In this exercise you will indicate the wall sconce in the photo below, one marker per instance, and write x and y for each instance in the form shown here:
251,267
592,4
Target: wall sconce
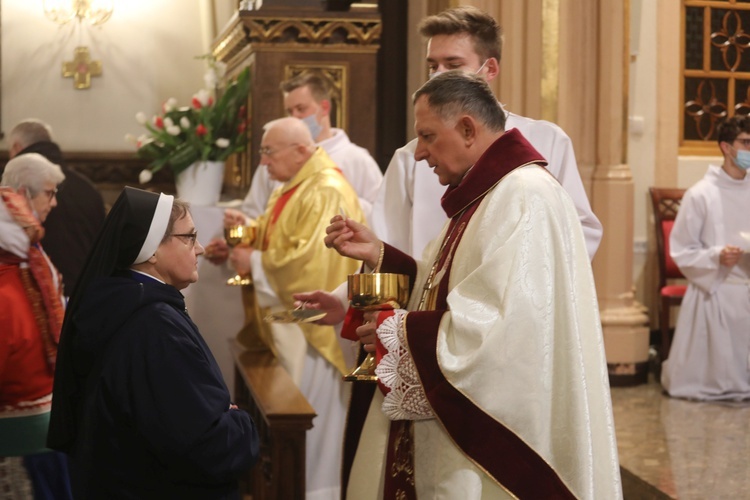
96,12
63,11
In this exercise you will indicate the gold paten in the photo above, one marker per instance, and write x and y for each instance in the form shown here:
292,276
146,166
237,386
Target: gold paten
375,292
298,315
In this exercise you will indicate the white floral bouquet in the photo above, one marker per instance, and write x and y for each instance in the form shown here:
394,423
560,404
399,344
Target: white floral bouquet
207,130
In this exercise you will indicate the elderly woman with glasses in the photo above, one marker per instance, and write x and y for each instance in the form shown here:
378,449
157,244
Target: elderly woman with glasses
140,404
31,313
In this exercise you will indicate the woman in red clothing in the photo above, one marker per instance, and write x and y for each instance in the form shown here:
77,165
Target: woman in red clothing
31,312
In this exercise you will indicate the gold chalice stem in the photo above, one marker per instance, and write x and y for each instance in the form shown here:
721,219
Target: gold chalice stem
235,235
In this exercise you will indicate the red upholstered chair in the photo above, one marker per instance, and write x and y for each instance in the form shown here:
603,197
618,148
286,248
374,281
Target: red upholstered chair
666,203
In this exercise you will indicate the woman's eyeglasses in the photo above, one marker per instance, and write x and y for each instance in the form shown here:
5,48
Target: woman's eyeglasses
189,238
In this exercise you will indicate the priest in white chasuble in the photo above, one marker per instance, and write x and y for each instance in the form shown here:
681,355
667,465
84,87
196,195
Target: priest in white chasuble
289,256
493,382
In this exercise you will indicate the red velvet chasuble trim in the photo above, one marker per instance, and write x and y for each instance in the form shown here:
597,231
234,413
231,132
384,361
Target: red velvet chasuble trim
492,446
510,151
362,393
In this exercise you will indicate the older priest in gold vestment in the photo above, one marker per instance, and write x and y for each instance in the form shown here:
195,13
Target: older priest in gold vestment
289,256
494,381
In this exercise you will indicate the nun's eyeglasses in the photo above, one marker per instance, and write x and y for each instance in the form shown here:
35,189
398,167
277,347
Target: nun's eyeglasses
189,238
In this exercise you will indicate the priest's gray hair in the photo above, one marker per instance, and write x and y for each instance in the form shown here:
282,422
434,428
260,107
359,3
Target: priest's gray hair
30,131
455,92
32,171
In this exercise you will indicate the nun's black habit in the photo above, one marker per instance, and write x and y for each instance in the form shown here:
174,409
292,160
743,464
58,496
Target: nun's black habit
139,401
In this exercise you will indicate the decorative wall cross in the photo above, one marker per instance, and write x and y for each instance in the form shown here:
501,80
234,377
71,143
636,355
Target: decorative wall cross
81,68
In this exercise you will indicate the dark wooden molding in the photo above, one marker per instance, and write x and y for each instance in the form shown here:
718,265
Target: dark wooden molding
391,81
276,42
111,171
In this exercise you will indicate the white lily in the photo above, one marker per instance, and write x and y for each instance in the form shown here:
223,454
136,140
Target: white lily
141,118
168,122
169,104
203,96
210,79
143,139
220,68
173,130
184,122
145,176
222,142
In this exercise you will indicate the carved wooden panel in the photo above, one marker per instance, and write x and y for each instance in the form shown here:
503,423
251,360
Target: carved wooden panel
278,43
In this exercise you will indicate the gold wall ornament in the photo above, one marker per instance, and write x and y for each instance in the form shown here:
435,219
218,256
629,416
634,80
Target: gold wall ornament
81,68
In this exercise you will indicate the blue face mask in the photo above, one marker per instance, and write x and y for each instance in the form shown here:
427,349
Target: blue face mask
436,73
742,160
313,126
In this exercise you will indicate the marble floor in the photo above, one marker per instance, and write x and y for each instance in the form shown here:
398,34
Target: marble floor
671,448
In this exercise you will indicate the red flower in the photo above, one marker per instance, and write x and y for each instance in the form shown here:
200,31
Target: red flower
200,130
242,127
159,122
196,103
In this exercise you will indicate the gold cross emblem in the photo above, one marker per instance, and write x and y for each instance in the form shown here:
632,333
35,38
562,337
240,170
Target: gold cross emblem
81,68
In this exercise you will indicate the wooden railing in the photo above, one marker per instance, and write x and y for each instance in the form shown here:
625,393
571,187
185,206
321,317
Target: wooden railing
282,414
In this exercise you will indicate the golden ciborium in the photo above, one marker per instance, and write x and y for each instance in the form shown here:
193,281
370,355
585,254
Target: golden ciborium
375,292
236,235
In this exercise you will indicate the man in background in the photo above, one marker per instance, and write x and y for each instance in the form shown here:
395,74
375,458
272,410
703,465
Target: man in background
71,228
710,243
407,212
288,256
308,98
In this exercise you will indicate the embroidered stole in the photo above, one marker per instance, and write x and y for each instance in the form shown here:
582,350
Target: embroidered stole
275,213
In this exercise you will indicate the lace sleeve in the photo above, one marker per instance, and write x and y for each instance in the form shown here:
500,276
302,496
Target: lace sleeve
406,399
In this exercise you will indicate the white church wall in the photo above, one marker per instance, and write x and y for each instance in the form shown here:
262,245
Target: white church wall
690,169
147,50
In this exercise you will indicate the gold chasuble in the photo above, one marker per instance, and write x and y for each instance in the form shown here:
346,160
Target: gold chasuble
291,232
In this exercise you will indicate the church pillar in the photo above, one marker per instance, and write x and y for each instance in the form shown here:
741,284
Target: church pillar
624,322
594,90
